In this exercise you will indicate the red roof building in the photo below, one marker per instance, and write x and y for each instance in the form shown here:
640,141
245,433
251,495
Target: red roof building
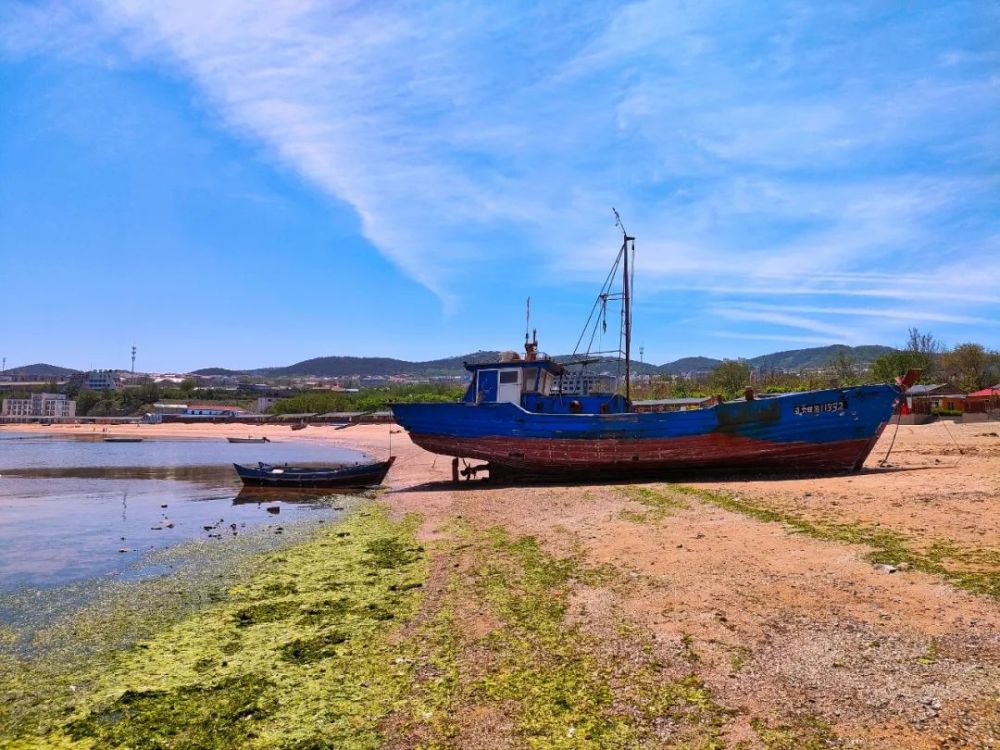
988,399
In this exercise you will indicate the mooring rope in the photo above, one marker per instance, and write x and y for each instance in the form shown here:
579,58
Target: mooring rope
892,442
961,453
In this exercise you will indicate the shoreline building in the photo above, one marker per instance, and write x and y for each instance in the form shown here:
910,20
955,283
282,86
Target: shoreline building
45,405
102,380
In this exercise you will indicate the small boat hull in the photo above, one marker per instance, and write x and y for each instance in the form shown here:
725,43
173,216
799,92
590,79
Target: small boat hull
265,475
248,440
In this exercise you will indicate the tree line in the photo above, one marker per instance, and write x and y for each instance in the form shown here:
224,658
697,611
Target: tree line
968,366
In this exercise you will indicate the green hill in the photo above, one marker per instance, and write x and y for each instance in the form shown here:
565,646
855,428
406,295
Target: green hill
817,357
42,370
689,364
342,366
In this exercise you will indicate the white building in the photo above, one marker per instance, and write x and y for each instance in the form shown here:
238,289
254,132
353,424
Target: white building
39,405
266,402
101,380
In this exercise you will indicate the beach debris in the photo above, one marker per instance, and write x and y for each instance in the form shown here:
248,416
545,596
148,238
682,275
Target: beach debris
273,509
156,528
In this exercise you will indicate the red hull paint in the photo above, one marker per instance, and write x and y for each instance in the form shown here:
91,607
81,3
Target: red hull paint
714,451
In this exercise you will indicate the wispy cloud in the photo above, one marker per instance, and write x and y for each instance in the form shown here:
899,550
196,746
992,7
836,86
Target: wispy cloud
803,150
782,319
909,314
785,338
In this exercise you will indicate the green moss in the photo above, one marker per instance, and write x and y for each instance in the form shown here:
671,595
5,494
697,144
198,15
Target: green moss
305,650
738,658
190,716
279,664
255,614
687,644
931,655
566,692
976,570
808,733
660,504
534,671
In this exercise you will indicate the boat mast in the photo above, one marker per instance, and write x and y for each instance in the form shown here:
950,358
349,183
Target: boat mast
626,304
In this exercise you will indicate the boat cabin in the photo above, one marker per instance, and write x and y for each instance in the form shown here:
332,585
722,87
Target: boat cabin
533,384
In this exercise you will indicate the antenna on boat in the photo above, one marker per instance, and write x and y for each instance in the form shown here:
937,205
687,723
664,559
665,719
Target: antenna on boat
527,320
626,302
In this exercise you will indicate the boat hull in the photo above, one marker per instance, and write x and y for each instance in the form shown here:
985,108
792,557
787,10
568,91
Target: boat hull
352,476
814,432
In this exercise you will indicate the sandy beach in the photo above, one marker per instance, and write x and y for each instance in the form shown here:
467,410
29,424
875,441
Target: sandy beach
859,609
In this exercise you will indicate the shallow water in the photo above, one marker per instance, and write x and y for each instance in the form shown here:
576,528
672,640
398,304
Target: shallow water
78,508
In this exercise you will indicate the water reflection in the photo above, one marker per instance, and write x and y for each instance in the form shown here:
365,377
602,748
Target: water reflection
294,494
77,509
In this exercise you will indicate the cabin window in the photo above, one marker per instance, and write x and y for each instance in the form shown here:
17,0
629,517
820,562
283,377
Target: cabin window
530,378
508,377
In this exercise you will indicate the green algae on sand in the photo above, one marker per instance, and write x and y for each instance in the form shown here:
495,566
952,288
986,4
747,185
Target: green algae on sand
301,655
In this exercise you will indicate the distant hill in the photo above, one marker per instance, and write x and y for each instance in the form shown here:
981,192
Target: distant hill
689,364
42,370
817,357
333,367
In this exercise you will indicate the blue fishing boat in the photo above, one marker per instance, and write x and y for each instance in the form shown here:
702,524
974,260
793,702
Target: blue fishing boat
517,417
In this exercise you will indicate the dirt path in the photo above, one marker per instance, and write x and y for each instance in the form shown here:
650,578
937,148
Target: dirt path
787,630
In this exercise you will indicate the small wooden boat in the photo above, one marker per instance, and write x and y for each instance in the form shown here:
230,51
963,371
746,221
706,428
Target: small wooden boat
362,475
300,426
123,440
248,440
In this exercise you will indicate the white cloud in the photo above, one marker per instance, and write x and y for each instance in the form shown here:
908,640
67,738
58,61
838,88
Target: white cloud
783,320
750,158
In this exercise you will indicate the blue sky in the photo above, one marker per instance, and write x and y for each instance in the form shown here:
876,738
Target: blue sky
243,184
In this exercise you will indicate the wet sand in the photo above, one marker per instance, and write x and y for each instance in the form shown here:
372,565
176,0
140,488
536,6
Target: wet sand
787,629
